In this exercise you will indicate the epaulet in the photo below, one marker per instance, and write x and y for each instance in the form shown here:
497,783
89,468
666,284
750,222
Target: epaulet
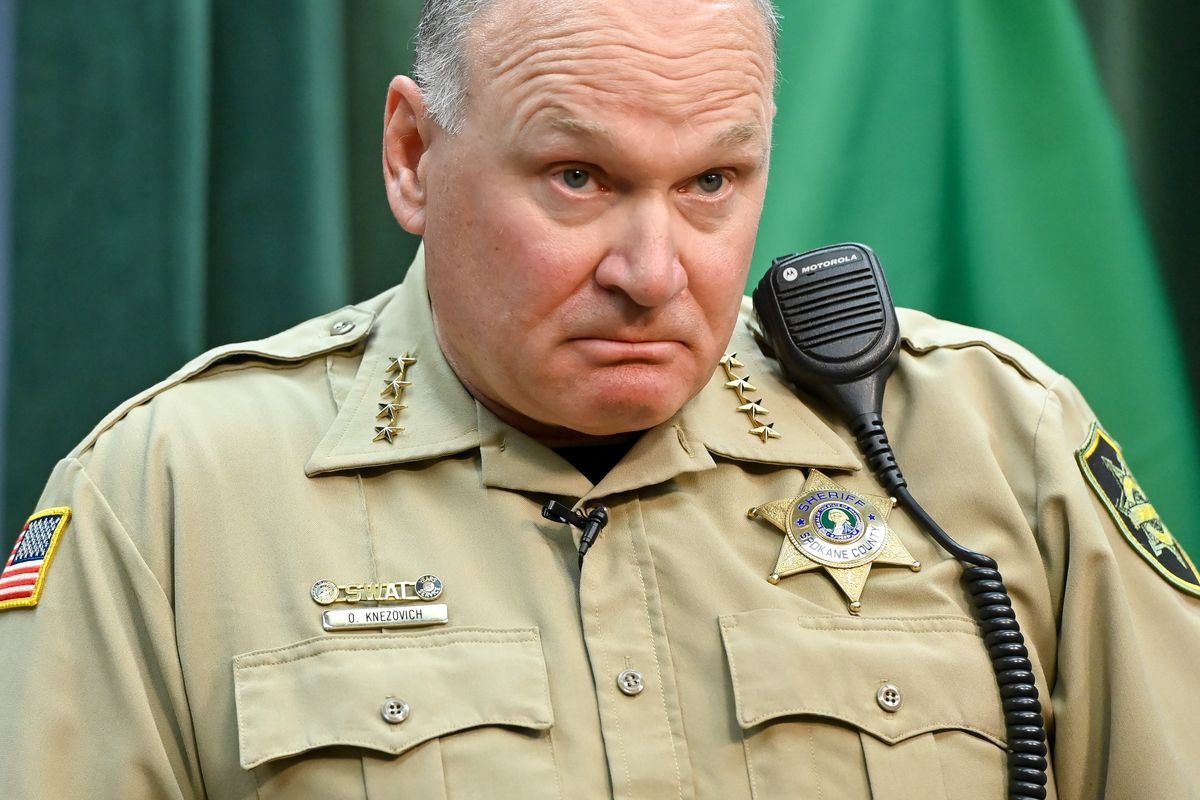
921,333
336,330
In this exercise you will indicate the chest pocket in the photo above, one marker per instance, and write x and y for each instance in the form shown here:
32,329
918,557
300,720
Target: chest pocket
444,714
847,707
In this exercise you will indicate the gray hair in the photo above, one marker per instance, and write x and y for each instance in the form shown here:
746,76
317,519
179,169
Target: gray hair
439,67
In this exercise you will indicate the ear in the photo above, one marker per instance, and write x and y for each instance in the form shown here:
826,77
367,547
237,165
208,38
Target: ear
406,133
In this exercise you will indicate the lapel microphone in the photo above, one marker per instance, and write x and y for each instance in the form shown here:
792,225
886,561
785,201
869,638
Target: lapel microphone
591,525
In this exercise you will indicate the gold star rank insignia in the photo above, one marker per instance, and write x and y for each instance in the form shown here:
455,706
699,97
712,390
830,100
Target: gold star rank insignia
395,387
751,407
394,384
740,386
398,365
390,410
386,433
833,528
730,362
766,431
754,408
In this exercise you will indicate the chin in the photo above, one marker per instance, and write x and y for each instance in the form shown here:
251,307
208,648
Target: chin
622,412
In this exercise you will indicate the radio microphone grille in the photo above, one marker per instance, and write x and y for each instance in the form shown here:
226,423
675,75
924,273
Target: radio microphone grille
834,314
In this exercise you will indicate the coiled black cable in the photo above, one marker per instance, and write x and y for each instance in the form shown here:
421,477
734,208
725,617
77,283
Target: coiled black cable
994,612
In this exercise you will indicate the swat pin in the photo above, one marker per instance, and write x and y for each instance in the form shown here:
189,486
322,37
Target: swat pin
397,615
426,587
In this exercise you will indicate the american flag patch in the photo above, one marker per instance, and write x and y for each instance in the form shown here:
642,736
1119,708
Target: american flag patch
25,571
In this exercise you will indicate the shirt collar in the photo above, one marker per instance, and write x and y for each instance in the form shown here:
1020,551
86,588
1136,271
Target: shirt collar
440,418
807,437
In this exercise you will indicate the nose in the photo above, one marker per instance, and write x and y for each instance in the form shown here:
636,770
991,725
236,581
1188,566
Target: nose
644,263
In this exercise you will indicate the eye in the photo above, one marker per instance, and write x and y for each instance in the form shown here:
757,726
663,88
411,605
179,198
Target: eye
710,182
576,178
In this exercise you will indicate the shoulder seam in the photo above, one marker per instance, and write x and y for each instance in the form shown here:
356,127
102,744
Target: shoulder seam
362,322
83,472
1037,484
1010,360
921,333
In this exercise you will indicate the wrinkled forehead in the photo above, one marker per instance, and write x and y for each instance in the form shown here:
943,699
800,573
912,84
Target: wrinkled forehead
742,19
648,44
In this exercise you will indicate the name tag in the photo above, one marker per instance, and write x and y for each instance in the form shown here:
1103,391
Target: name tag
406,616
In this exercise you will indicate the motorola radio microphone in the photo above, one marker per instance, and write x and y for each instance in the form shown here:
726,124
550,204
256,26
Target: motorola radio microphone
829,318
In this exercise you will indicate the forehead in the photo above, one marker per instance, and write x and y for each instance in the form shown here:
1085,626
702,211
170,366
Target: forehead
678,60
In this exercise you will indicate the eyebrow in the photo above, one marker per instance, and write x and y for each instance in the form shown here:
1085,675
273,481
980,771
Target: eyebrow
738,133
741,133
574,125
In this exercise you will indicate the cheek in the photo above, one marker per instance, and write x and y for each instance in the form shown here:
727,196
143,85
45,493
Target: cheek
717,277
720,300
534,261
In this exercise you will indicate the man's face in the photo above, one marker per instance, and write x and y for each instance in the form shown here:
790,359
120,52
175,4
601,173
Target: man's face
589,230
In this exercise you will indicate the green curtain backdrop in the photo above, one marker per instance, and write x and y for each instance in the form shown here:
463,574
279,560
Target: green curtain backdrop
187,173
1147,56
971,144
198,171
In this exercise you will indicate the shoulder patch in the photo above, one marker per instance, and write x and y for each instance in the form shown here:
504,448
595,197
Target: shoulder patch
1104,467
25,571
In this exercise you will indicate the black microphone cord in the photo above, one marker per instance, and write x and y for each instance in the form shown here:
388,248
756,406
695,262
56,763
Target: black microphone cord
993,611
827,315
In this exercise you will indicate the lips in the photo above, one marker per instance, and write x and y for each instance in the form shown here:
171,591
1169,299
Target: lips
633,335
646,351
604,350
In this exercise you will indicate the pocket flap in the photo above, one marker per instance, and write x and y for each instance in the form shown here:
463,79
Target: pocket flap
833,667
331,690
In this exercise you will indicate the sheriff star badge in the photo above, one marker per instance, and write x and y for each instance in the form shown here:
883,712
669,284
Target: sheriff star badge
832,527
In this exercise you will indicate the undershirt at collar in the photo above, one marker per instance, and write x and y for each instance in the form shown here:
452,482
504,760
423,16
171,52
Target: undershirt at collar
596,460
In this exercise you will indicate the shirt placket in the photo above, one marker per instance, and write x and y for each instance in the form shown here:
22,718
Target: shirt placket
623,627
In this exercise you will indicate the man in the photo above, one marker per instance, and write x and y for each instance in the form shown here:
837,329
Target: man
315,565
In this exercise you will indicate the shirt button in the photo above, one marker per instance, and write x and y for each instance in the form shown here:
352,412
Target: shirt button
630,682
888,697
341,326
394,711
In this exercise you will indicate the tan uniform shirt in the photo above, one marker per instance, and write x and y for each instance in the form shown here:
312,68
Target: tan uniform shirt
176,650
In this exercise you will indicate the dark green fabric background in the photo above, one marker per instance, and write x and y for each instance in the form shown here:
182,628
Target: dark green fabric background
187,173
972,144
198,171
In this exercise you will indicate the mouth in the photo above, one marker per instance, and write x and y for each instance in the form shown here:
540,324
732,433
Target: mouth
626,351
